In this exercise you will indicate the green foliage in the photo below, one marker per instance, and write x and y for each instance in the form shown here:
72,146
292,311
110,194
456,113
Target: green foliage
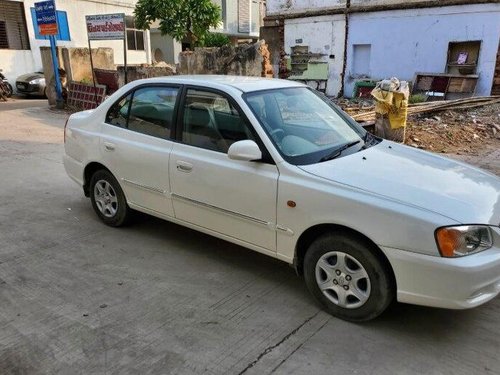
417,98
216,40
181,19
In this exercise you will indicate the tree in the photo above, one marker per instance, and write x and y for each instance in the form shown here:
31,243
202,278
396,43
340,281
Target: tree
181,19
216,40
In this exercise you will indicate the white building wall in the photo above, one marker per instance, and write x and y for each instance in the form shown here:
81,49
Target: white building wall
324,35
404,42
169,47
17,62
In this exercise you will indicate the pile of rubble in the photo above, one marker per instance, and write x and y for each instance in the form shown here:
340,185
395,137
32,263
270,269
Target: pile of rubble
466,131
460,129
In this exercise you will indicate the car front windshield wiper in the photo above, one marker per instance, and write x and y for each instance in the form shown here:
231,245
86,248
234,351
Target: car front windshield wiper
370,140
338,151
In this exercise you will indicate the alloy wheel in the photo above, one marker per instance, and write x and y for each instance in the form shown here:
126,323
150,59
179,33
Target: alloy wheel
105,198
343,280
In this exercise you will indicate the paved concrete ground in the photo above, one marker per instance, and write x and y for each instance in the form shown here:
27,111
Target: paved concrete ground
19,102
77,297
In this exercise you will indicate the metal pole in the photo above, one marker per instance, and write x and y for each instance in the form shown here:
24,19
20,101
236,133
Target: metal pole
346,40
125,55
55,64
92,72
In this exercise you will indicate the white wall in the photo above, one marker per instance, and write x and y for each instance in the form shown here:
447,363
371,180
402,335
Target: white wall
408,41
168,46
324,35
17,62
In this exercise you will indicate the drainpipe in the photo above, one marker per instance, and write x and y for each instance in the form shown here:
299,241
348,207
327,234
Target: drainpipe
344,63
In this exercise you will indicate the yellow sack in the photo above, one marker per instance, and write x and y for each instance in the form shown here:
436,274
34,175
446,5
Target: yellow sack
399,111
398,118
392,101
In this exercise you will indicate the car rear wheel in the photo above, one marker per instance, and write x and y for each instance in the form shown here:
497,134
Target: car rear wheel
345,274
108,199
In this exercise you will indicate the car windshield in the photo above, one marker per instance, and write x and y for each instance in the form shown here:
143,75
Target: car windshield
305,127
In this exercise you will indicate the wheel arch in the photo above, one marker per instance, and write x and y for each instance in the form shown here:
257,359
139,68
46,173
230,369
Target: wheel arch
88,172
310,234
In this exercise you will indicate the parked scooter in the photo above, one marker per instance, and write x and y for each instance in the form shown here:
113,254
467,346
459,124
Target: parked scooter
5,86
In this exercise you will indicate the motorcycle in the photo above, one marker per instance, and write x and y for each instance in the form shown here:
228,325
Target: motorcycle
5,86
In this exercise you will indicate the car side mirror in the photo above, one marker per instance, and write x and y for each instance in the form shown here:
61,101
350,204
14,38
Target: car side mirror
246,150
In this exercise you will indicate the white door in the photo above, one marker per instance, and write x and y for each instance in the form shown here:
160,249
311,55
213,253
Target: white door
136,146
234,198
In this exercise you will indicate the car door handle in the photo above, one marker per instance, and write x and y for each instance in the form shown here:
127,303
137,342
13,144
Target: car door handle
109,146
184,167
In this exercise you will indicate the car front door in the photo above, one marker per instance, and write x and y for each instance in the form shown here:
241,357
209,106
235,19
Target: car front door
136,145
233,198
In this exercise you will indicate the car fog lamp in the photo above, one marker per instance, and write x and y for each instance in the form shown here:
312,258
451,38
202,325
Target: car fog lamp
463,240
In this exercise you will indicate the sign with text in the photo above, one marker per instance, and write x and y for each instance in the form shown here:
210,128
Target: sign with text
46,17
106,26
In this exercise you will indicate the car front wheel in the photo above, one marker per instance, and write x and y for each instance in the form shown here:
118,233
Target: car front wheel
348,277
108,199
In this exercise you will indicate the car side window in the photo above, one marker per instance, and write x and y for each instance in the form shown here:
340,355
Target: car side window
212,122
118,113
152,111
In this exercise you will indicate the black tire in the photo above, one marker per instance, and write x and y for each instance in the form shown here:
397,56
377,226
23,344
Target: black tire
377,290
119,213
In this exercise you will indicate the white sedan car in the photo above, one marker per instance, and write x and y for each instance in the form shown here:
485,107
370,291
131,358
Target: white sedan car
273,166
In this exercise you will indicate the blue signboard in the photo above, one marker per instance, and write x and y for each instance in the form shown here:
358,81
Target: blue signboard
46,17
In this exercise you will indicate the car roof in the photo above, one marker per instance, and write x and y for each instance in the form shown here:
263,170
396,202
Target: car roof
242,83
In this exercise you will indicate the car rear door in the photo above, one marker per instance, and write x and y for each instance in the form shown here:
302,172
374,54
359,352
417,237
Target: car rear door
234,198
136,145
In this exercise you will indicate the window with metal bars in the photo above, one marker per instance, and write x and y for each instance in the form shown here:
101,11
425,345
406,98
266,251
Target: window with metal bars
13,31
135,37
4,42
244,16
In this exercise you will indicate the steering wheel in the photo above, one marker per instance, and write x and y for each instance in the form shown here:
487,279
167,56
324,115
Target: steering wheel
277,134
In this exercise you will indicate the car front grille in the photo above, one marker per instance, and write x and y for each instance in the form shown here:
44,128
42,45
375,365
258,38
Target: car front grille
26,87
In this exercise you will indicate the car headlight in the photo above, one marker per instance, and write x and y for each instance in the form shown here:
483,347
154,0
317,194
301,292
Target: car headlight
463,240
36,81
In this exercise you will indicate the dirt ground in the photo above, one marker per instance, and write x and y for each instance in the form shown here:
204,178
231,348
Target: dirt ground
459,132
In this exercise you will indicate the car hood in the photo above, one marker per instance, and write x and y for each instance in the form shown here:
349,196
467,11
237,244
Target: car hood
29,77
418,178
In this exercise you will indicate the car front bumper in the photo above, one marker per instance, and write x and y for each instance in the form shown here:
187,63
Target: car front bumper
453,283
29,89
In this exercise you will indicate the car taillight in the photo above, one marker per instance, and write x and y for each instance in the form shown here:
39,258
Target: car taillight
65,125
